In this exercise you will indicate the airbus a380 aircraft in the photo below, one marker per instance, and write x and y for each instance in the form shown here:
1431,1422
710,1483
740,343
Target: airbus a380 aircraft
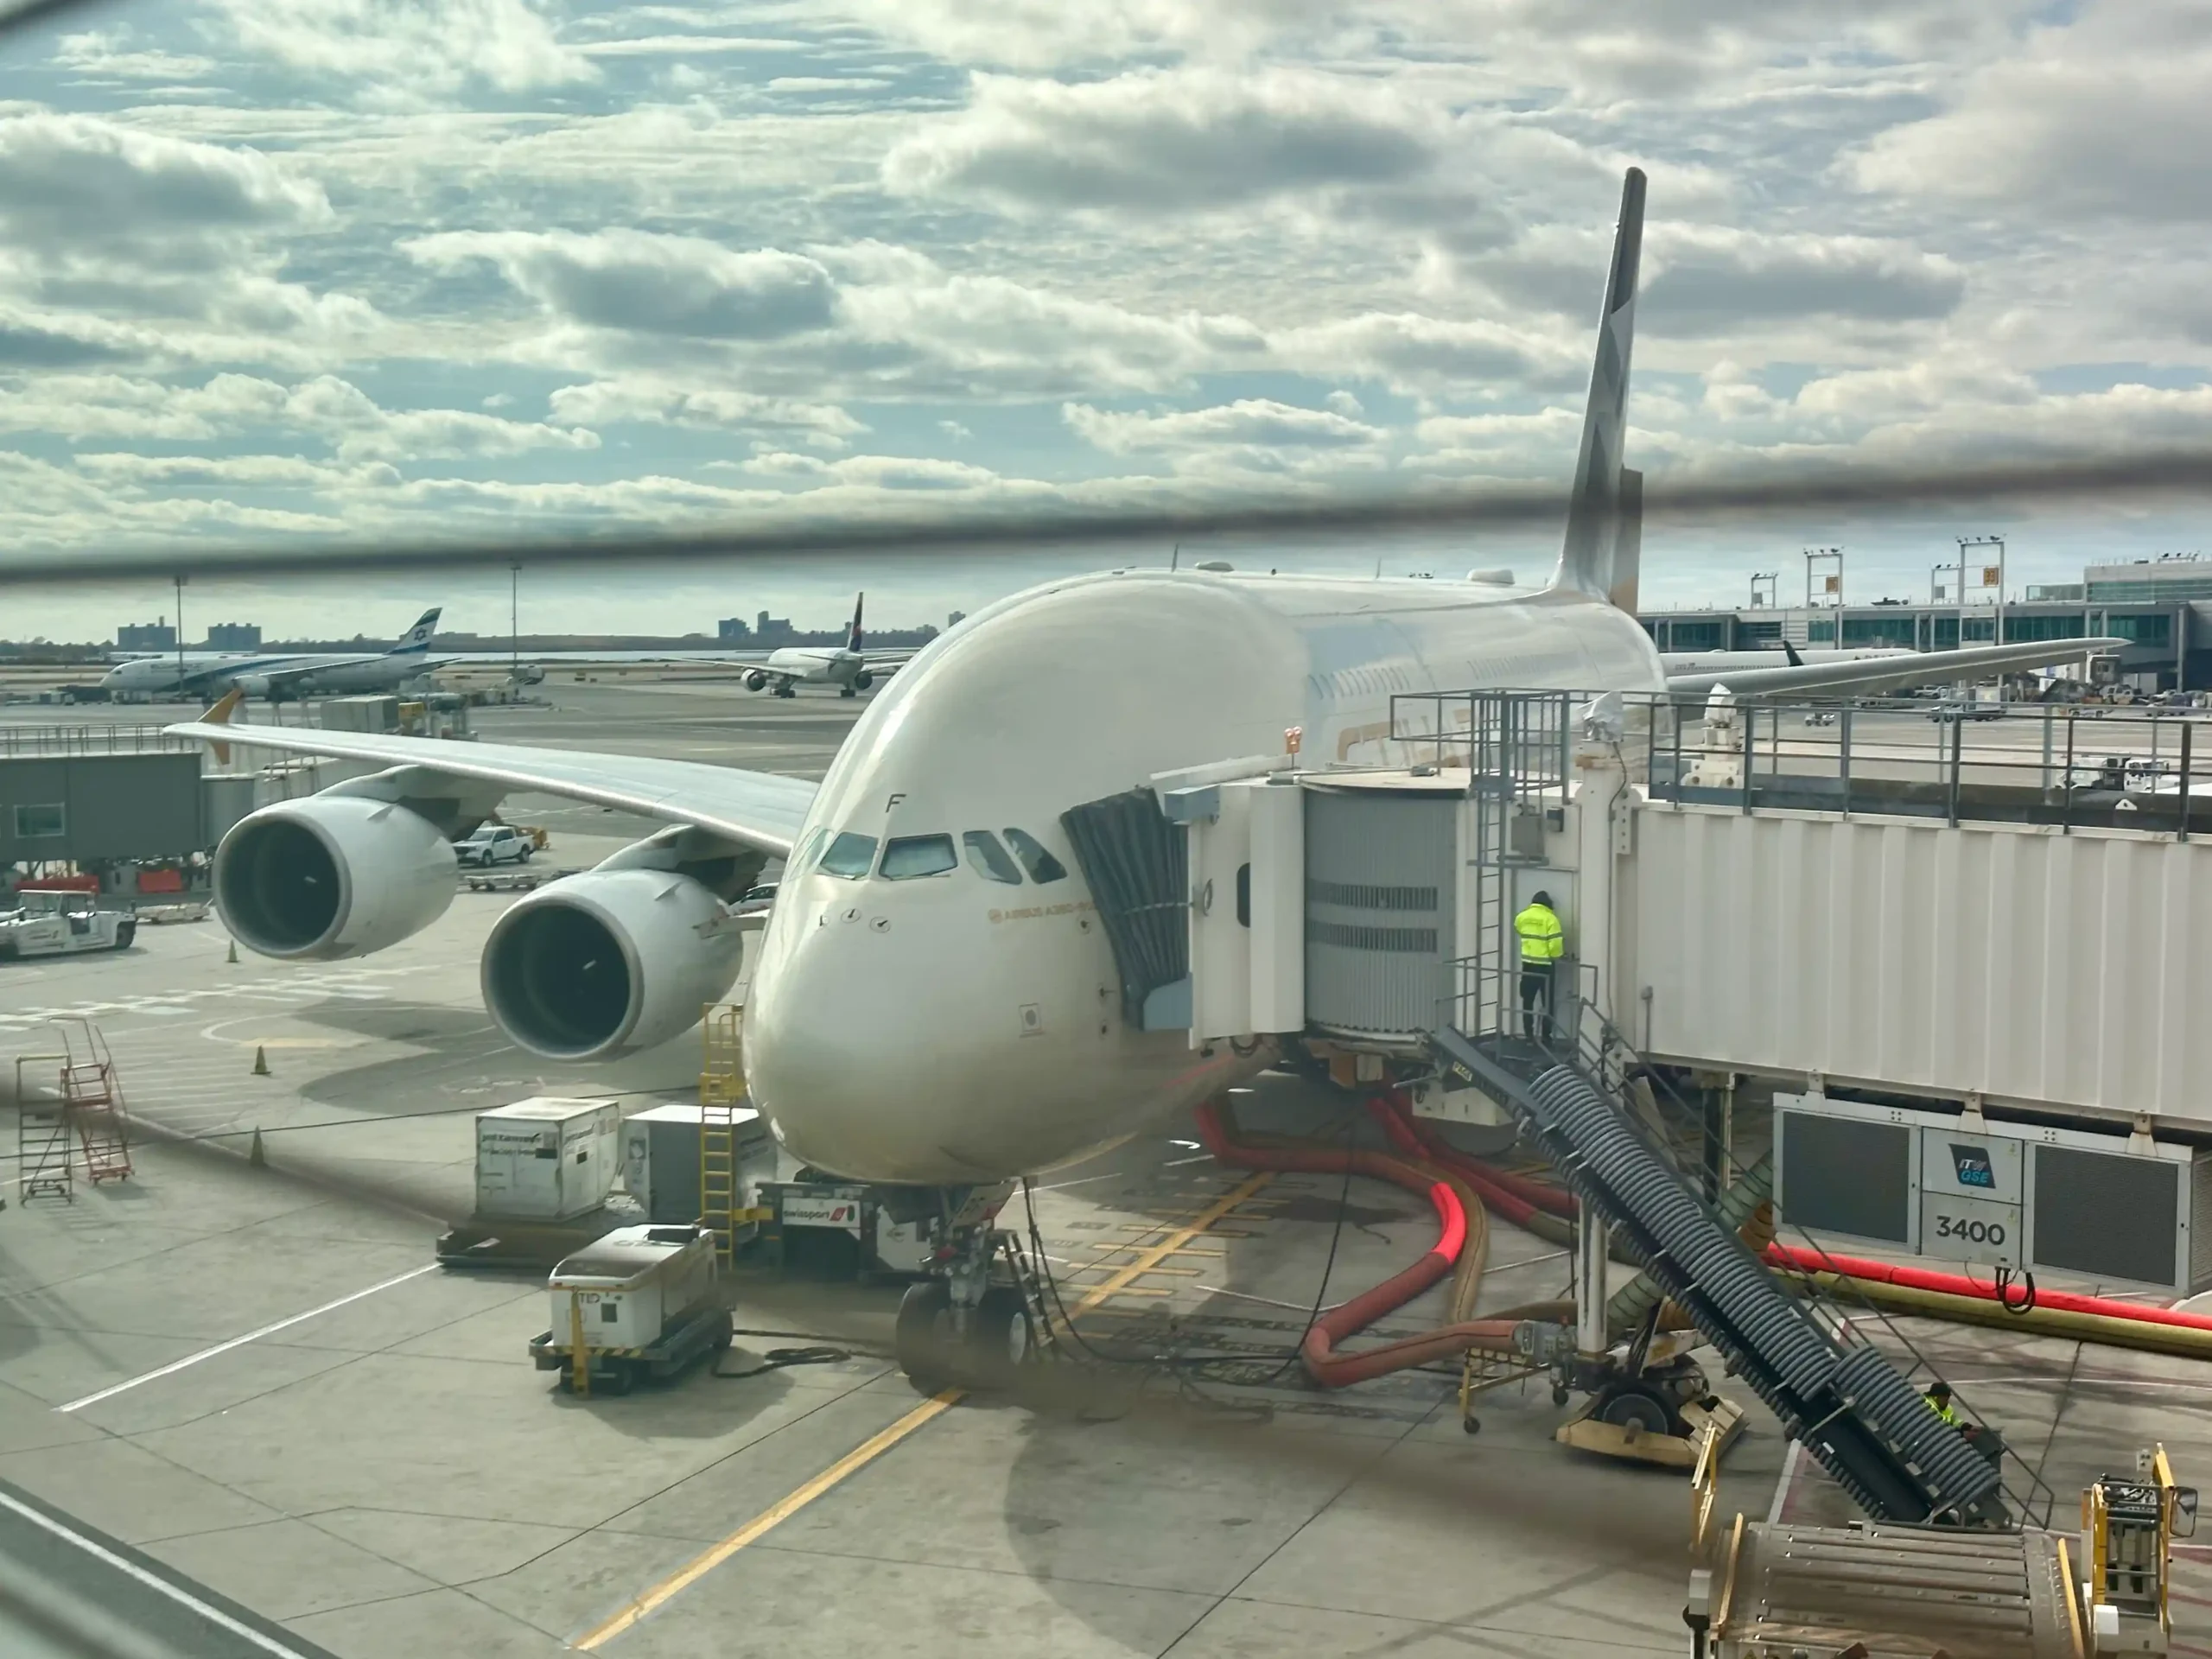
935,1001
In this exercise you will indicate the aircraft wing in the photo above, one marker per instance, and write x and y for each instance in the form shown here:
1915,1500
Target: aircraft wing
755,809
1890,673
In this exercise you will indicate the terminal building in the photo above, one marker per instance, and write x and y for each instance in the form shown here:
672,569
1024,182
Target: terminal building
2161,606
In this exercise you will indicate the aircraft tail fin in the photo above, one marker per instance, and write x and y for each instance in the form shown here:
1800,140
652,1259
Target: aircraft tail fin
852,634
1604,513
418,638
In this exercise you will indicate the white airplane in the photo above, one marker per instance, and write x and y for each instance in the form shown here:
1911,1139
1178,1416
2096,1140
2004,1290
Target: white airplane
1723,662
284,677
935,1001
846,666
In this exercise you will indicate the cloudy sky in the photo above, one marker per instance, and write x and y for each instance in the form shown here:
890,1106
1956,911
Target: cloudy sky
302,270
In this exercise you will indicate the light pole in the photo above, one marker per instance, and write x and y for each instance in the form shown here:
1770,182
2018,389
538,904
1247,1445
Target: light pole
514,624
180,635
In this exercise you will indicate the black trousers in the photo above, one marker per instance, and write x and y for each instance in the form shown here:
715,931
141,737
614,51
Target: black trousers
1535,987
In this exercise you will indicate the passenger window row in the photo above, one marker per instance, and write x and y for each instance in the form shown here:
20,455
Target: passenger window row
852,855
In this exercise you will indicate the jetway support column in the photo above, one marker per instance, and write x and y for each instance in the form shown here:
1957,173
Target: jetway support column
1599,781
1594,1239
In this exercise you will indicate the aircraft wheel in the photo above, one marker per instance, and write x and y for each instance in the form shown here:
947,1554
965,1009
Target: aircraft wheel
1635,1408
999,1338
923,1337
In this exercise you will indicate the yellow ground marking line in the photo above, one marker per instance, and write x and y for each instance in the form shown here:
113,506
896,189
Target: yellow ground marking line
868,1451
770,1518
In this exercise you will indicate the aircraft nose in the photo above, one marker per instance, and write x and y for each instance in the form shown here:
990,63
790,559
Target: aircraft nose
865,1048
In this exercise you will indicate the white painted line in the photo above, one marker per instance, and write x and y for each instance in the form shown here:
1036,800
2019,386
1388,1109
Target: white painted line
153,1581
1782,1486
176,1365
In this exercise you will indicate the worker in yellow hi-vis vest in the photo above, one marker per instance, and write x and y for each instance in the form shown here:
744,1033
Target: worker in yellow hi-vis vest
1543,942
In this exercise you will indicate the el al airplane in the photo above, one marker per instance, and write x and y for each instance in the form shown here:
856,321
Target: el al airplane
282,677
847,666
935,1001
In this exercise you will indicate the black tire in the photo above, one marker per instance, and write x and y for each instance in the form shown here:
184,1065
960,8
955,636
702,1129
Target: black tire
1560,1394
1001,1338
1470,1424
923,1337
622,1376
527,849
126,932
1632,1406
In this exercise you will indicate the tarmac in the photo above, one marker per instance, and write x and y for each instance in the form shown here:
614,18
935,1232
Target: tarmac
247,1391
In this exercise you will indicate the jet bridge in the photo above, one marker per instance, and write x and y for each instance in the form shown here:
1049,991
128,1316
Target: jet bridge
2003,928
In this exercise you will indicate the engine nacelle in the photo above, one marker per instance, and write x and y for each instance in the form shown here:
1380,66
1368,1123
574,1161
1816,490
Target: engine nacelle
608,962
331,876
756,681
862,680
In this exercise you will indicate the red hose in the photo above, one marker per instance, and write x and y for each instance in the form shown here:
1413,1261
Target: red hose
1956,1284
1322,1363
1424,1142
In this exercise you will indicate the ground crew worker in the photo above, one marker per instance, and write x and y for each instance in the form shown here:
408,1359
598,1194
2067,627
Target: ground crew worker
1543,942
1939,1401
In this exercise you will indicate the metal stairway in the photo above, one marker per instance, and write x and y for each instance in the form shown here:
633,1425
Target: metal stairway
92,1093
1569,1081
1864,1423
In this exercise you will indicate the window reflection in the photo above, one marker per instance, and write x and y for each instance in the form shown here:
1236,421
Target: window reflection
906,857
850,855
1041,865
990,860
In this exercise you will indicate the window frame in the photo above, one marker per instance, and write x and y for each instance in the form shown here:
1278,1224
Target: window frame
875,847
951,867
60,811
1007,871
1016,838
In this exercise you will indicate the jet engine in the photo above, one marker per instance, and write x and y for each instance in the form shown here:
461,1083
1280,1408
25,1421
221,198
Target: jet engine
756,681
331,876
862,680
609,961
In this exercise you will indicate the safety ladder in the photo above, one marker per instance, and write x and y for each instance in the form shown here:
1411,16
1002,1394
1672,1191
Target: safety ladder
92,1097
721,1094
42,1154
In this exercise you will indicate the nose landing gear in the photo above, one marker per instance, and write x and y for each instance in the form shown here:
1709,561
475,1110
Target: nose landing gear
976,1321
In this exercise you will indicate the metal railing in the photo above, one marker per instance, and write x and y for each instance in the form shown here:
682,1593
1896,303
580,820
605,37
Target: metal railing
138,738
2068,765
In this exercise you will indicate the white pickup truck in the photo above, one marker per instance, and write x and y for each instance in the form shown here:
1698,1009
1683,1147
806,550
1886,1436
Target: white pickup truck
39,924
494,843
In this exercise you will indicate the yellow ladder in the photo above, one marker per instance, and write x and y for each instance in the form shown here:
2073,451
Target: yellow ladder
721,1091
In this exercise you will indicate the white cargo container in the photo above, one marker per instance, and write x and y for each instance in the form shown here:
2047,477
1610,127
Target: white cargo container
546,1159
660,1159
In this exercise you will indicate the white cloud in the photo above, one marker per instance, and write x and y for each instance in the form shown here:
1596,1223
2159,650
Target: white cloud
1152,141
2103,117
109,54
72,186
665,402
406,48
639,282
1250,421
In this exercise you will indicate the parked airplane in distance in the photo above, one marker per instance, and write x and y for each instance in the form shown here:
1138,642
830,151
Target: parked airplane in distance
283,679
846,667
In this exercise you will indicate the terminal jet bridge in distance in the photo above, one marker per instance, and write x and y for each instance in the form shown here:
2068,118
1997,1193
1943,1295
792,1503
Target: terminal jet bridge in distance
1815,904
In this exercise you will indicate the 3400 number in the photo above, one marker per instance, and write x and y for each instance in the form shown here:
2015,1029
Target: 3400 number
1974,1232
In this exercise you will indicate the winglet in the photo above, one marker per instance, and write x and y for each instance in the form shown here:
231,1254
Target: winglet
1589,559
220,715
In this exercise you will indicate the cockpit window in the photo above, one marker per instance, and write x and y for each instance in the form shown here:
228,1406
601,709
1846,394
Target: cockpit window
1041,865
907,857
850,855
990,858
